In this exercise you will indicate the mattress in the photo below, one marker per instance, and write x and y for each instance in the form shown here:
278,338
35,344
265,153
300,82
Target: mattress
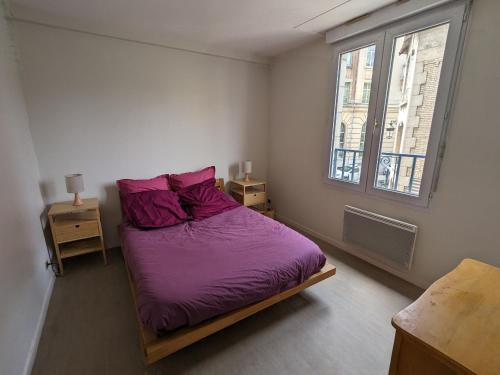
197,270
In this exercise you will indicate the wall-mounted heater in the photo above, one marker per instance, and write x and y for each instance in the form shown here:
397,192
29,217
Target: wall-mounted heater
380,237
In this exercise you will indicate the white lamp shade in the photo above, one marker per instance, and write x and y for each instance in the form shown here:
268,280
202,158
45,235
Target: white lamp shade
247,166
74,183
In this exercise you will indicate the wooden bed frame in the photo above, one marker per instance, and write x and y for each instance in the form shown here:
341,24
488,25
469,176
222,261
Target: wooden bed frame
155,348
219,184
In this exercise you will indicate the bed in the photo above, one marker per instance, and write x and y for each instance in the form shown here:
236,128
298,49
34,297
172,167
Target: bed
196,278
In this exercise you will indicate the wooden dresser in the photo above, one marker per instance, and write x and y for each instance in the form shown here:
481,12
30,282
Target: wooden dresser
454,327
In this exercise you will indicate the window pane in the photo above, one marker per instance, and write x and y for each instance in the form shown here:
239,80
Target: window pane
353,95
416,67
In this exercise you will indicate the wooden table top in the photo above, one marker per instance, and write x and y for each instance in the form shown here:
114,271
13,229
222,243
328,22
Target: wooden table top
67,207
248,183
459,317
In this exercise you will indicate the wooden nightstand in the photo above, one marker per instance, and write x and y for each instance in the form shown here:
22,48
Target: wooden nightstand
76,230
252,194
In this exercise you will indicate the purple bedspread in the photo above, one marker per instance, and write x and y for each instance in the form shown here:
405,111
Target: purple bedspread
197,270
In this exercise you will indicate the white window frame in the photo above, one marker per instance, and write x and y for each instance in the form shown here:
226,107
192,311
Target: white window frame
453,14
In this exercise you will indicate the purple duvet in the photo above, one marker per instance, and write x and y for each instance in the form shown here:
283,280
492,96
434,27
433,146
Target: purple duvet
197,270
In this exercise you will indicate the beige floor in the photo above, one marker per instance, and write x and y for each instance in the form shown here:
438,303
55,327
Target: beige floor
340,326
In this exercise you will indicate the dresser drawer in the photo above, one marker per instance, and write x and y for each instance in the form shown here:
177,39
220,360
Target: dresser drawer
76,231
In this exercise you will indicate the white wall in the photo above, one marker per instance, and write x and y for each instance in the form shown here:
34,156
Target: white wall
25,285
113,109
464,215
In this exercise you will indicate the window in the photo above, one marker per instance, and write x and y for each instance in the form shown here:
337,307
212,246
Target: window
347,92
395,125
366,92
347,157
370,57
362,136
348,60
342,135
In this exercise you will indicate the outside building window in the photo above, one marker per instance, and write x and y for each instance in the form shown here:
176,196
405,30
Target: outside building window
362,137
347,92
370,56
348,60
366,92
342,135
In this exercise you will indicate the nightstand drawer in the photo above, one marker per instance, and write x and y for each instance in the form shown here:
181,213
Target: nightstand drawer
76,231
254,198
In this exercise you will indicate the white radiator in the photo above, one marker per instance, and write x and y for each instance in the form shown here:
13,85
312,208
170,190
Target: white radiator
382,238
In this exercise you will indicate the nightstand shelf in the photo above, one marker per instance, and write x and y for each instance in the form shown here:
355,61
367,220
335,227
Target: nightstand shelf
63,220
76,230
71,249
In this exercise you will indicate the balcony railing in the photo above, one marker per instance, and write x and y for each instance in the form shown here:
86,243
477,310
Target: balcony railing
347,166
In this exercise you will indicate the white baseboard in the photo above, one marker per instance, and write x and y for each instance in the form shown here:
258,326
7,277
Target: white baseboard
351,250
30,359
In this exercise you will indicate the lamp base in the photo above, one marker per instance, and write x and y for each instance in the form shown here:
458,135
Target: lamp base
247,177
77,201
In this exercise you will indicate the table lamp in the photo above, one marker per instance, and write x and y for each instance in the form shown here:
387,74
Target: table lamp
247,169
74,184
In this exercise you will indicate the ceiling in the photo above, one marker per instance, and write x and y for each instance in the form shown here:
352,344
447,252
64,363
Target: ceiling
245,29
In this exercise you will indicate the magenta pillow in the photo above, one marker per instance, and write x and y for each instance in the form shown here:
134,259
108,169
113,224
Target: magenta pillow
183,180
204,200
128,185
154,209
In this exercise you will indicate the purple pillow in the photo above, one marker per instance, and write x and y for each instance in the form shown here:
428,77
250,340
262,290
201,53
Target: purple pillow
128,185
204,200
154,209
183,180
